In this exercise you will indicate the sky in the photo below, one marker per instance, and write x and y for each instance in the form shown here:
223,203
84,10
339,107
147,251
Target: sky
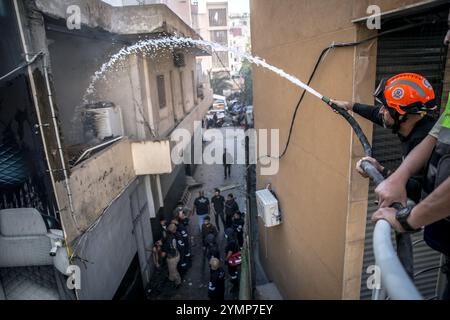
238,6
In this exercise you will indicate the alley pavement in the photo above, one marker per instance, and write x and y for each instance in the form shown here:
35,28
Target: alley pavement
195,281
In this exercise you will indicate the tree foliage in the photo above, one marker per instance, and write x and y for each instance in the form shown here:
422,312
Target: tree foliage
219,84
247,94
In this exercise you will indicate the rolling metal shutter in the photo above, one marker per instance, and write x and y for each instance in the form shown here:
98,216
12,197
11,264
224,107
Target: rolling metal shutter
418,50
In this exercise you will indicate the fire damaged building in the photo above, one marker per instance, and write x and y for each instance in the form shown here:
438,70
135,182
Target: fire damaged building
84,174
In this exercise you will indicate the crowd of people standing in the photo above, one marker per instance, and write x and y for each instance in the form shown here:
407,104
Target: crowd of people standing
172,253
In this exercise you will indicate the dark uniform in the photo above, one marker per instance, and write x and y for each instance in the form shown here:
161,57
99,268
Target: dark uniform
231,207
206,230
211,247
417,134
218,203
415,183
437,234
238,227
216,286
183,235
233,247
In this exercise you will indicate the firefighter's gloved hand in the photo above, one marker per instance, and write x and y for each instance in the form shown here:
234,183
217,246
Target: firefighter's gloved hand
373,161
346,105
389,191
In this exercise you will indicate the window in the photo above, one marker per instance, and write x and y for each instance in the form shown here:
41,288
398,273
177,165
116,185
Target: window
220,36
217,17
220,59
161,91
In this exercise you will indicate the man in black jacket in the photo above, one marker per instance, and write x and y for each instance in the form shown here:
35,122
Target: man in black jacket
218,202
216,286
231,207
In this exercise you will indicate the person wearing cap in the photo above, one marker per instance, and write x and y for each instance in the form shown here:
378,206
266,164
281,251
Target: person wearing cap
173,256
216,285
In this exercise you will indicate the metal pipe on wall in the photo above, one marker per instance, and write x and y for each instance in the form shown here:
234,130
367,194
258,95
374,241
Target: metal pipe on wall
58,141
35,100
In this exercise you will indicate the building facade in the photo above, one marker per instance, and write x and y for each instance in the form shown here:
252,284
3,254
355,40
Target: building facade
321,249
102,168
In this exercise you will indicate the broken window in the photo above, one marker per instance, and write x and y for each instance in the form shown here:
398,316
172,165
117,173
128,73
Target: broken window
161,91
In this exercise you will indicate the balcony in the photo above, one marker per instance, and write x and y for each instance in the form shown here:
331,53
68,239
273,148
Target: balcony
95,182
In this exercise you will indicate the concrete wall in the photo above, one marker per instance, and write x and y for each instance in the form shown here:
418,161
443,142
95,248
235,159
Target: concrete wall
74,59
94,184
123,230
120,20
317,252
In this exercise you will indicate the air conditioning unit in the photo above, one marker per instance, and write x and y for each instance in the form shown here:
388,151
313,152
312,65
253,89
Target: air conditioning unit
104,119
267,206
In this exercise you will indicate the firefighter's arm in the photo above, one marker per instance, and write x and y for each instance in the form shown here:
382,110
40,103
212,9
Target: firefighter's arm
393,188
433,208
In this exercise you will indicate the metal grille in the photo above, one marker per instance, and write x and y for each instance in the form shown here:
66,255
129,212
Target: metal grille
418,50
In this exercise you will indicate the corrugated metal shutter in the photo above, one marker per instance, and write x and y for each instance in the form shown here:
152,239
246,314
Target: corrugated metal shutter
417,50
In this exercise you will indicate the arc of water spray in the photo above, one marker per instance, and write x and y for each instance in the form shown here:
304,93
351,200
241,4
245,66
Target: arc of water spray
171,42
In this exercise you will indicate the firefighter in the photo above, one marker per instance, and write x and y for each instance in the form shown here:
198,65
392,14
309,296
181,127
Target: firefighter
216,286
406,102
181,246
433,212
238,227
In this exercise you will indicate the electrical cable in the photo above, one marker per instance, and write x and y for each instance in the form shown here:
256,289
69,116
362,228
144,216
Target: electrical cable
21,66
317,64
227,71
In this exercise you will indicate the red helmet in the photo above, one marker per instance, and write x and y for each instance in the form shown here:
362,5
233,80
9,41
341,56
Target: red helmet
406,93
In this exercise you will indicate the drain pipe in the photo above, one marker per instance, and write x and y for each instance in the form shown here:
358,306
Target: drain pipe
35,100
58,141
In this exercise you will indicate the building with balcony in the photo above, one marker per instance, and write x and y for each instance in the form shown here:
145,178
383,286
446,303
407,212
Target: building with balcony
89,178
212,23
323,247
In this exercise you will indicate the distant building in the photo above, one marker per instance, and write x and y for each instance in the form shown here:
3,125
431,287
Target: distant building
98,175
239,39
212,23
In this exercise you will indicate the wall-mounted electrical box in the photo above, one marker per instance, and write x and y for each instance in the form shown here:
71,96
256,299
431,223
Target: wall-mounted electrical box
267,206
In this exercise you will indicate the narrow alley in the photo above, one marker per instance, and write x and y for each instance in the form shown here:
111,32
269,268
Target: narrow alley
195,281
